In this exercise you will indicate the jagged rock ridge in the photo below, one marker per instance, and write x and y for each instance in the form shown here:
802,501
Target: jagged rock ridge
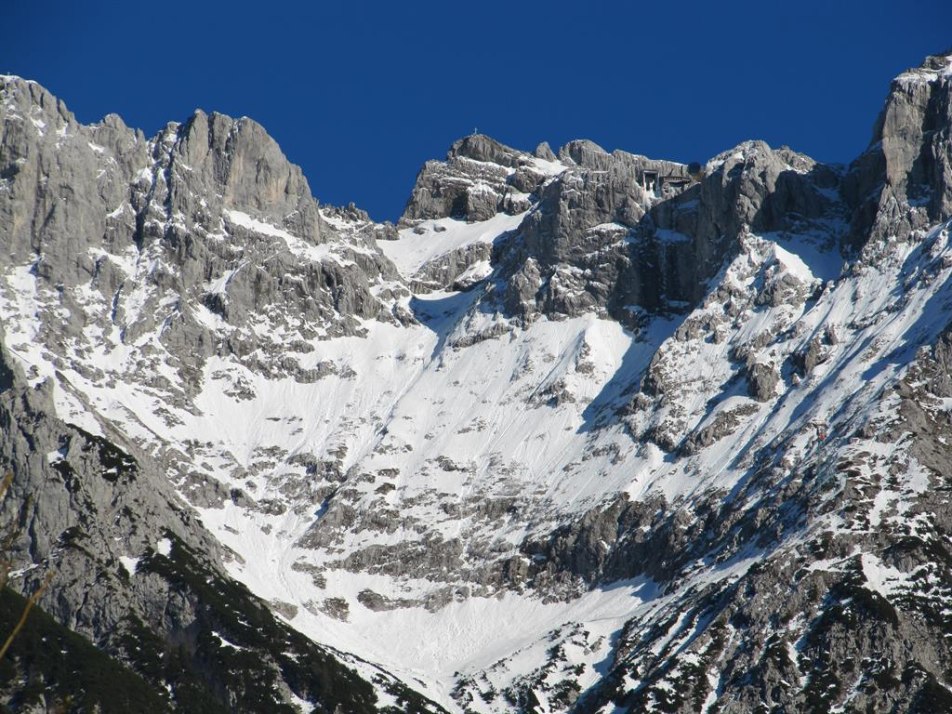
552,443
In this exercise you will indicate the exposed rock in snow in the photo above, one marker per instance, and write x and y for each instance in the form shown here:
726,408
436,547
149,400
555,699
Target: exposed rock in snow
587,432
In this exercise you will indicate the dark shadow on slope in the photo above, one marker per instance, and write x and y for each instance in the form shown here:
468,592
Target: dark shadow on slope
627,378
647,590
443,313
931,321
922,331
50,663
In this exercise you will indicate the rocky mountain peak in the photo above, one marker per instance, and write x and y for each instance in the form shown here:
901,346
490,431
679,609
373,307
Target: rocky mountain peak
615,232
903,181
556,444
586,154
544,151
622,232
31,97
479,178
480,147
191,235
249,167
913,131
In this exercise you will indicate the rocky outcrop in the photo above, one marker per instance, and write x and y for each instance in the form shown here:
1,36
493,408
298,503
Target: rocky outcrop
686,240
762,381
479,178
903,182
459,269
613,231
619,231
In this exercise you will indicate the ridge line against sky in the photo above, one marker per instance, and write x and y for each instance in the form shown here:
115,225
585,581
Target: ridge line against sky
360,94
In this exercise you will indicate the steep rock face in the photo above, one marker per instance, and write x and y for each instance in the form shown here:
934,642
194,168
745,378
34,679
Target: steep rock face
479,178
616,232
206,222
577,237
903,181
684,241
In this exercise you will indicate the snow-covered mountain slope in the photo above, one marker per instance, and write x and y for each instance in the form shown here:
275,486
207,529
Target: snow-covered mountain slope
584,432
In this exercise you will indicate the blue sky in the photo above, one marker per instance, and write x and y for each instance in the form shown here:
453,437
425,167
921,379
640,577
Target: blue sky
361,93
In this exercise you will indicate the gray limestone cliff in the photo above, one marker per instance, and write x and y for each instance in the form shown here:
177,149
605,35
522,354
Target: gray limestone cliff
617,232
206,222
903,181
479,178
783,567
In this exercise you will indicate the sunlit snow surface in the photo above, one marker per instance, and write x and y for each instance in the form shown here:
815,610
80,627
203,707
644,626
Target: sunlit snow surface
529,415
438,237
